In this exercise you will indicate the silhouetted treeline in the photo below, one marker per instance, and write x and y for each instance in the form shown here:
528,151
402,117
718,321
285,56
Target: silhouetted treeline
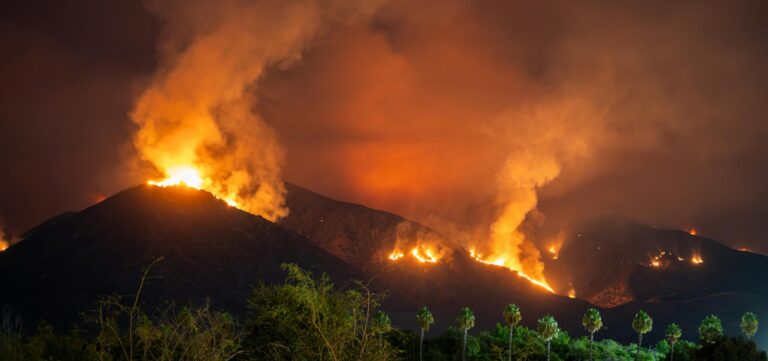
308,318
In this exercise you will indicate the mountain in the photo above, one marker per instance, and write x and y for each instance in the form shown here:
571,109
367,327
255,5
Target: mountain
213,251
210,250
677,276
621,262
216,252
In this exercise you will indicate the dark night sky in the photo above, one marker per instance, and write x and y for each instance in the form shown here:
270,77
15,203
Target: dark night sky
651,109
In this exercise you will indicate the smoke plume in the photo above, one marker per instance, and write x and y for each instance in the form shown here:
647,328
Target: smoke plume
197,112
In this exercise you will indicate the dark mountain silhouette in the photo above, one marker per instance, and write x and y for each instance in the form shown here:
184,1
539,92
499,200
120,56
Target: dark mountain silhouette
622,265
210,250
213,251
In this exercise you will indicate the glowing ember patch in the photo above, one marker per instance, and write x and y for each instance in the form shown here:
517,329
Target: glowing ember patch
696,259
3,245
572,293
501,262
182,175
655,263
396,255
693,232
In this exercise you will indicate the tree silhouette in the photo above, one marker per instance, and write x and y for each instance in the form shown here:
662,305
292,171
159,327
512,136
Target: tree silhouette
466,321
711,329
512,317
424,319
673,334
642,323
547,330
749,325
592,322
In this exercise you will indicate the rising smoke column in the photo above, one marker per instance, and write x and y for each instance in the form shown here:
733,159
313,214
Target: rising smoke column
197,112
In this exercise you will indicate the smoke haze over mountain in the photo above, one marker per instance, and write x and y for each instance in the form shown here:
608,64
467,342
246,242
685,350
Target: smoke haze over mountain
459,114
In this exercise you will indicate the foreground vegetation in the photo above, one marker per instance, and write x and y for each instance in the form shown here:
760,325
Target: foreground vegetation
307,318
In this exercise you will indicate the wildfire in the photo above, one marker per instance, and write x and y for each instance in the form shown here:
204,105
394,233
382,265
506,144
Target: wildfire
571,293
189,176
693,231
696,259
502,262
554,250
3,245
422,253
183,175
396,255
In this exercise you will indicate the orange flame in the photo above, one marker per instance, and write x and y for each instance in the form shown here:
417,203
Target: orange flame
422,253
693,231
571,293
503,262
696,259
189,176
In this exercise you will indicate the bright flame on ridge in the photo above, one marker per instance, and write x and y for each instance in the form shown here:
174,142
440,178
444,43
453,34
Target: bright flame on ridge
189,176
422,253
502,262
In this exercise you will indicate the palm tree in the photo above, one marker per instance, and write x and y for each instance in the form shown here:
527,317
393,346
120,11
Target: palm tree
424,319
642,323
512,317
466,321
383,324
749,324
711,329
547,330
592,322
673,334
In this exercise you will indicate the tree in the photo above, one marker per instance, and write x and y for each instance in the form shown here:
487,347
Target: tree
711,329
642,323
466,321
592,322
673,334
382,324
749,325
424,319
512,317
547,330
307,318
729,349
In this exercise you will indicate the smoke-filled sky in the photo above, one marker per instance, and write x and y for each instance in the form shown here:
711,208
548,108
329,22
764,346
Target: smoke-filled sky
461,114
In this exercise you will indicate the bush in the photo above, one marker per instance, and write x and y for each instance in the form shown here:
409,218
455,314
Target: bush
308,319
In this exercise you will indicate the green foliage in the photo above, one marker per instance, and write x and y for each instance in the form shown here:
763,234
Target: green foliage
728,349
308,319
424,318
642,323
711,329
547,327
44,345
512,315
382,323
749,324
673,333
592,321
466,319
